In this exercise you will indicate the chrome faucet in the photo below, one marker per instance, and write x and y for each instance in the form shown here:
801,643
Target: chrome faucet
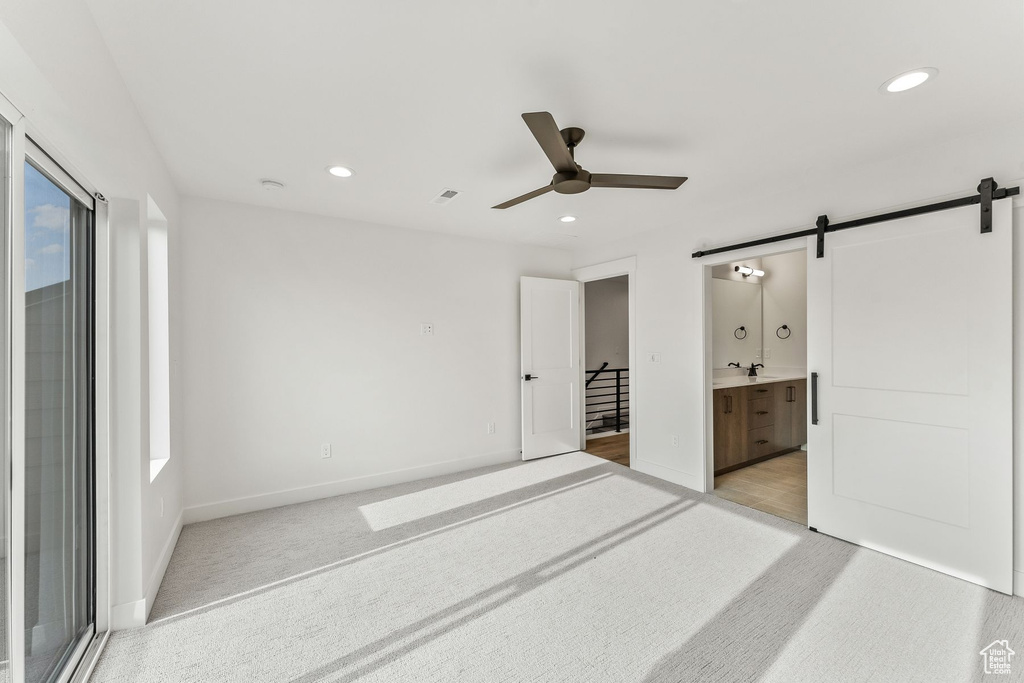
752,370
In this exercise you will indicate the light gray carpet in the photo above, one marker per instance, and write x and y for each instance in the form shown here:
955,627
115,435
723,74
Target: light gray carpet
564,569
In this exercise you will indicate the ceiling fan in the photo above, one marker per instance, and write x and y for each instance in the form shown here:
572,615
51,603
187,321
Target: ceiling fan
570,177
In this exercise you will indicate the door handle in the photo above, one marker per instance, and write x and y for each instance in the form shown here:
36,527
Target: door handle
530,377
814,398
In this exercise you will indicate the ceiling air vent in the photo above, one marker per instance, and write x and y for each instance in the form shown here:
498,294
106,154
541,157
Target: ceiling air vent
445,197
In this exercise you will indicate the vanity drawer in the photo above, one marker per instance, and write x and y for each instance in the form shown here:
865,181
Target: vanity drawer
757,391
760,413
760,442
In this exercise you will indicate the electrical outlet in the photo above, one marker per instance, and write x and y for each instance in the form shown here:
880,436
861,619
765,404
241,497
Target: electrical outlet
490,427
426,328
325,450
767,353
675,440
757,353
654,357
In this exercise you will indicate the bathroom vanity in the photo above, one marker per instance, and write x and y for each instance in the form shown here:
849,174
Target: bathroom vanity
757,418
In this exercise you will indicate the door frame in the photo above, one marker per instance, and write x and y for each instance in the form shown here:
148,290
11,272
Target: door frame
707,405
603,271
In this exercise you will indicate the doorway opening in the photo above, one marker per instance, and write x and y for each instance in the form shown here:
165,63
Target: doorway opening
758,361
608,361
606,368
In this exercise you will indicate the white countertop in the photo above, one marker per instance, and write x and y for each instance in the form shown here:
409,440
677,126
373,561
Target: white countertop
767,378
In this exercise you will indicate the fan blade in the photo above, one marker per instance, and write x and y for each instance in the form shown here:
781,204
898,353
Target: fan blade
650,182
523,198
544,128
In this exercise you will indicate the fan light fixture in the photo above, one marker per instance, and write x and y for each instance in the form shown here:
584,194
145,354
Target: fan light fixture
567,219
908,80
340,171
747,272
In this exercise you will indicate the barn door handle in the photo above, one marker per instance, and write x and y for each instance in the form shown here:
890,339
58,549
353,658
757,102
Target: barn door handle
814,398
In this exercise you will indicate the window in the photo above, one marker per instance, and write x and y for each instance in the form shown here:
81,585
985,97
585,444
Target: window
159,341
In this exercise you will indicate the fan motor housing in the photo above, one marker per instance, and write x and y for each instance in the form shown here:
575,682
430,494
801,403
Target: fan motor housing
571,183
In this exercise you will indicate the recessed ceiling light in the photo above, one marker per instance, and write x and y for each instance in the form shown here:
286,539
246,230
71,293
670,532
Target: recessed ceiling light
567,219
909,79
271,184
339,171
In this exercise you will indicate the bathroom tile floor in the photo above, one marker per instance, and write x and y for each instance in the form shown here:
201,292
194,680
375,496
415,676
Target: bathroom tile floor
777,486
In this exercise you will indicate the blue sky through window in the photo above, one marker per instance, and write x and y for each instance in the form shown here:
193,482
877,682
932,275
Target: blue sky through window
47,231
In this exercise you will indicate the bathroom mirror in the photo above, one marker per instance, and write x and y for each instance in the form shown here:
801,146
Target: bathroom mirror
761,305
736,316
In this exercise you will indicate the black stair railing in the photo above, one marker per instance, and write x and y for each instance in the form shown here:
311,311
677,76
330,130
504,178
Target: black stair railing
607,400
596,372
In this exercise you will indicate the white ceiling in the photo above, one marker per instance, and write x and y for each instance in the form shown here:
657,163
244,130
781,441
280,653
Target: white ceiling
739,95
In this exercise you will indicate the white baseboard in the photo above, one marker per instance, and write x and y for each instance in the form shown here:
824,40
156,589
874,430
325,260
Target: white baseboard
238,506
136,613
128,615
667,473
157,577
1018,582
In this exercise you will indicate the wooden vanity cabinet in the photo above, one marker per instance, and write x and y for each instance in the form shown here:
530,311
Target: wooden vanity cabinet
754,422
730,426
791,413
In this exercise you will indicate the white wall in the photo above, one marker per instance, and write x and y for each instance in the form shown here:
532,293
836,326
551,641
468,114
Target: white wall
669,283
58,72
784,302
607,322
301,330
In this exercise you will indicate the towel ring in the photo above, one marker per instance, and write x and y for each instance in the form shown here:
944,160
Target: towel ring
778,332
736,332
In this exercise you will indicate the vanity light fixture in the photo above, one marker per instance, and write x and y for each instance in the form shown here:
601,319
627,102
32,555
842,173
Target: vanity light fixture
747,272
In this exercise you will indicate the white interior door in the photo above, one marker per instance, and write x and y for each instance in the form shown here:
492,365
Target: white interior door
550,351
910,332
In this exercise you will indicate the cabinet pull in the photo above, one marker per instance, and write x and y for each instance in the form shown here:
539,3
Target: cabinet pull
761,442
762,391
728,404
761,412
790,394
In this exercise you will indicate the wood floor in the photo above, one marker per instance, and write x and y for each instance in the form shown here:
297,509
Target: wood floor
777,486
614,448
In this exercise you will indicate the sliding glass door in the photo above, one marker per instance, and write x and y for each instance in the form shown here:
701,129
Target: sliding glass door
59,585
48,558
